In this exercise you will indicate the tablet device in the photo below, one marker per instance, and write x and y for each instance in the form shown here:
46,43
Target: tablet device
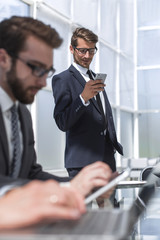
101,76
108,186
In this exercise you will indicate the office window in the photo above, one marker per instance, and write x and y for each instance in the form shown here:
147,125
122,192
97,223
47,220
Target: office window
63,28
127,27
148,71
107,59
148,13
62,6
149,135
108,16
127,133
148,47
85,14
148,89
50,140
126,75
9,8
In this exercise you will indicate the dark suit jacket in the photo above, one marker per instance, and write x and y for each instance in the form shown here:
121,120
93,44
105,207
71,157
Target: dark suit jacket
85,141
29,168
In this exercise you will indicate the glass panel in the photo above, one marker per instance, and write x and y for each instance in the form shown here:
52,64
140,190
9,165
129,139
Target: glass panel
148,47
9,8
60,62
149,135
148,89
50,140
85,14
127,27
107,19
126,83
127,133
62,6
107,65
148,12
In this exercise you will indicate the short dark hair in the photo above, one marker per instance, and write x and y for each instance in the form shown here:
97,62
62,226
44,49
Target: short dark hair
15,30
85,34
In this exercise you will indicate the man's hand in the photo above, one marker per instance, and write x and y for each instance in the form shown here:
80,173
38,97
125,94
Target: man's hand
106,195
92,176
39,201
91,89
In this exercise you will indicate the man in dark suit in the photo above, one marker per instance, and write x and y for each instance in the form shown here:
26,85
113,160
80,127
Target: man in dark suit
26,59
82,109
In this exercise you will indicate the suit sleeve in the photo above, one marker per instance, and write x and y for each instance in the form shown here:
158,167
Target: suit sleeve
68,105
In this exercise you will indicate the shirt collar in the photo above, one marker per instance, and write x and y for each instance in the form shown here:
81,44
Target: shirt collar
80,68
5,101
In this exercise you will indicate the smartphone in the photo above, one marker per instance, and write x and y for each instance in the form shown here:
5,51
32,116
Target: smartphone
108,186
101,76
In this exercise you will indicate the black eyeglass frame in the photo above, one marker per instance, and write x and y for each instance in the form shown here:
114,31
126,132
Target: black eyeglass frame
91,51
37,71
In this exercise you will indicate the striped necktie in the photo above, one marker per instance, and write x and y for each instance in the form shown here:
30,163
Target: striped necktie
16,161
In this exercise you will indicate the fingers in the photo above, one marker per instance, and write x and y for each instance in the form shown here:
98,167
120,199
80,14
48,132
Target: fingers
62,196
98,169
39,201
95,86
94,175
74,199
91,89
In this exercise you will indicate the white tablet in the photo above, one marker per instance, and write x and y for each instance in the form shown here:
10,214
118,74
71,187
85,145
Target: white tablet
108,186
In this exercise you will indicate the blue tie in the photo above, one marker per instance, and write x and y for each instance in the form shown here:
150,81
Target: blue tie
16,161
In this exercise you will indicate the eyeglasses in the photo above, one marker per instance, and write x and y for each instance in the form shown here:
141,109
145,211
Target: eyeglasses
38,71
83,51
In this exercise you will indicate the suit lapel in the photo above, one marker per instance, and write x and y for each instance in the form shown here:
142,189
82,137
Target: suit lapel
3,139
76,74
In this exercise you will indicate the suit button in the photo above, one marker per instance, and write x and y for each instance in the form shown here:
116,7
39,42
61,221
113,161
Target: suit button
101,133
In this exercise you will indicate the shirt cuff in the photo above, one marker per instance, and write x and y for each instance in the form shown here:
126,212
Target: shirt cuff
5,189
65,184
85,104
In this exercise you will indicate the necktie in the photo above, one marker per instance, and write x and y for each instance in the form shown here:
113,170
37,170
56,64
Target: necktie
16,161
98,99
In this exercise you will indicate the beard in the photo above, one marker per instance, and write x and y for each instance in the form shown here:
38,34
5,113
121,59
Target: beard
82,61
21,94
